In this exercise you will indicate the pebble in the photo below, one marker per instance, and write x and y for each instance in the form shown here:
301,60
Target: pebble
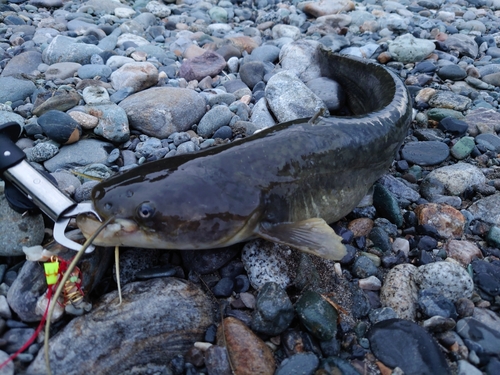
290,99
317,315
400,292
299,364
18,230
155,111
197,68
273,310
425,153
268,262
391,340
448,221
406,48
248,353
449,278
137,75
457,178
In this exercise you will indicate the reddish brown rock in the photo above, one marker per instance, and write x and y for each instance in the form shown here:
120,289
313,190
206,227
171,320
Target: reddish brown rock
197,68
361,227
248,353
324,7
244,43
448,221
462,251
138,75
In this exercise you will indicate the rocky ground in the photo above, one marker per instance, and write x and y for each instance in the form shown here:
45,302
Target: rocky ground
418,292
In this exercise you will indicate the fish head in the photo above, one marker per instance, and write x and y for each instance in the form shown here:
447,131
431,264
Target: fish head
169,211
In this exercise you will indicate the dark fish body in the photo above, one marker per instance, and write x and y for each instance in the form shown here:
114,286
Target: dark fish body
282,184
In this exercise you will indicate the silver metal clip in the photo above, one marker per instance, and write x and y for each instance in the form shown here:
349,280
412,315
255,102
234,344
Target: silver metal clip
62,223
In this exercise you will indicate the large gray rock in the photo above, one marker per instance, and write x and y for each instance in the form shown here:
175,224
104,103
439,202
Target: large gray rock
301,58
80,154
12,89
138,75
161,111
25,62
158,319
17,230
406,48
113,122
63,48
290,99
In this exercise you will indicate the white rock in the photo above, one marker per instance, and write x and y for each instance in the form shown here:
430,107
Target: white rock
128,37
286,31
95,94
458,177
400,292
123,12
406,48
158,9
449,278
290,99
138,75
401,244
267,261
301,59
370,283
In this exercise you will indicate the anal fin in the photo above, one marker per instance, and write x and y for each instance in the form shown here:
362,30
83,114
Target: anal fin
312,236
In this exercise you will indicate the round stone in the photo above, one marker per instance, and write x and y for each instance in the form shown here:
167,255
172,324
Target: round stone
425,153
60,127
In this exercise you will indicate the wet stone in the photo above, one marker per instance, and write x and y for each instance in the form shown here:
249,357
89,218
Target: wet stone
208,261
486,339
453,126
223,288
363,267
463,148
392,340
425,153
386,205
247,352
489,141
317,315
486,278
431,303
217,362
273,310
17,230
298,364
452,72
380,239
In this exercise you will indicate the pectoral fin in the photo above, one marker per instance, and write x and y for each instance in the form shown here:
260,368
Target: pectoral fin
311,236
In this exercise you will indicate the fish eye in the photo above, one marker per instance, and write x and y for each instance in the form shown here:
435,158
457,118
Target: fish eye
145,210
108,206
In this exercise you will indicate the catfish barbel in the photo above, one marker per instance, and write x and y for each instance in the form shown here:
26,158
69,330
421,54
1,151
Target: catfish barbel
283,184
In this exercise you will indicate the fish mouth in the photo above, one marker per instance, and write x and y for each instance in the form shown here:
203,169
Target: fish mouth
113,234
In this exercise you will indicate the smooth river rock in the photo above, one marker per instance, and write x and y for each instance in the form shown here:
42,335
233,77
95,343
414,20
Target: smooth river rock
158,319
